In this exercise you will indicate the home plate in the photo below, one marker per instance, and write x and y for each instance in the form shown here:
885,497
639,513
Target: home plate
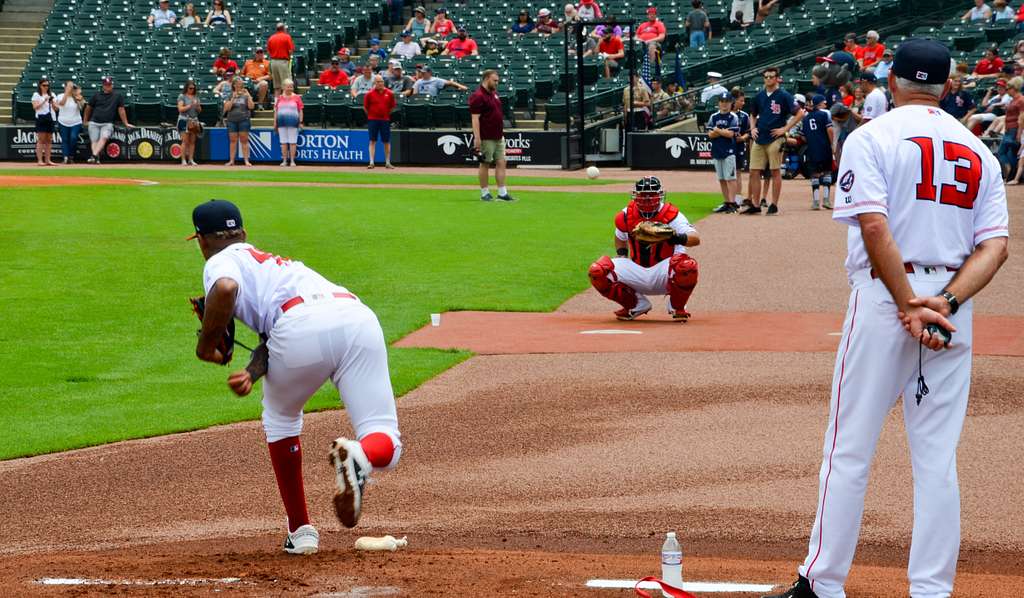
689,586
611,331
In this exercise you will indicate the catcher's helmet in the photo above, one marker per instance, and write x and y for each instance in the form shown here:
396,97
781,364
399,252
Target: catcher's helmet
648,195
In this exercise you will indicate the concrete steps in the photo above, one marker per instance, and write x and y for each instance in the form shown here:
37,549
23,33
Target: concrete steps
21,23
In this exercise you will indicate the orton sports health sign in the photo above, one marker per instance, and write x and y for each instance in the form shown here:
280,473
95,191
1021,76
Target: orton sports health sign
314,145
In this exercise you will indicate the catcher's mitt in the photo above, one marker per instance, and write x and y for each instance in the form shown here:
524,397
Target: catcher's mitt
652,232
227,344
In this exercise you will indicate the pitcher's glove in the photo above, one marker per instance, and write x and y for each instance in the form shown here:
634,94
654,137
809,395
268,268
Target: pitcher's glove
227,344
651,232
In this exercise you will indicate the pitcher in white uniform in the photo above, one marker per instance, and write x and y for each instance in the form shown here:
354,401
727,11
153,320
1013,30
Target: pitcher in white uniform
926,209
316,331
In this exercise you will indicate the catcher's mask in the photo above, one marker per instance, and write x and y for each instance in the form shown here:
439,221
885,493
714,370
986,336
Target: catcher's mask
648,195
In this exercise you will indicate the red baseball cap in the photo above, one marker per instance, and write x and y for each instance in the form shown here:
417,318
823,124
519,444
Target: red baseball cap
651,9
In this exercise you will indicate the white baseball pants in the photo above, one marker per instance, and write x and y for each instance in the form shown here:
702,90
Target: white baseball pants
645,281
877,361
332,339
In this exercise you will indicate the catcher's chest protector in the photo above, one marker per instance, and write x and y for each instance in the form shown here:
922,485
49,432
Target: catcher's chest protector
642,253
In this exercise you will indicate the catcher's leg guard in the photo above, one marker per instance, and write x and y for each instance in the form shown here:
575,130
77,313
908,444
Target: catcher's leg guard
682,279
603,278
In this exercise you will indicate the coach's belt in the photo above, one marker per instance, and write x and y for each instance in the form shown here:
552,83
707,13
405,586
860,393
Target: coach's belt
299,300
909,269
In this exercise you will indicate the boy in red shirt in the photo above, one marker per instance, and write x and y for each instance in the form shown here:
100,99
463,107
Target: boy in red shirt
378,104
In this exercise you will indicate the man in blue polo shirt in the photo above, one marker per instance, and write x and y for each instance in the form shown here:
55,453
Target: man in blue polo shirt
772,114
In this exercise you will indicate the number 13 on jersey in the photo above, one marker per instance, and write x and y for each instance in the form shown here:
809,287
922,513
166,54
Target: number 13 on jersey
963,189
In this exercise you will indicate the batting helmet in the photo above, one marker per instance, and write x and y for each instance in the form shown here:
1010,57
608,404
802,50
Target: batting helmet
648,195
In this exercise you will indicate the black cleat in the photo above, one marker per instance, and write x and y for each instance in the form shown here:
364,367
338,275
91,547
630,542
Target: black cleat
723,208
486,197
801,588
506,197
773,209
750,210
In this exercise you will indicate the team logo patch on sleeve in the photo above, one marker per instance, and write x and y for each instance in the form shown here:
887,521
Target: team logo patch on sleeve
846,181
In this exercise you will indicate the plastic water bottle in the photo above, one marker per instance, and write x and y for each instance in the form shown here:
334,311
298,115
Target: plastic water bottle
671,562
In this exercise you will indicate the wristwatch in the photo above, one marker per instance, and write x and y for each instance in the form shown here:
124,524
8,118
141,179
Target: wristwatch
954,305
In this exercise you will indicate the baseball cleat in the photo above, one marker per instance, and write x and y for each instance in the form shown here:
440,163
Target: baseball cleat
643,306
801,588
304,540
681,315
750,210
506,197
724,208
486,197
827,204
772,209
814,205
352,469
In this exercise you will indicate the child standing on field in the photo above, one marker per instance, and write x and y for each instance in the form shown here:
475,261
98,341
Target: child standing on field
818,132
739,100
723,128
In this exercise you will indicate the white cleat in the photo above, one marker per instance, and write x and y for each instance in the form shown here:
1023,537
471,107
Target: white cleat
304,540
352,470
643,305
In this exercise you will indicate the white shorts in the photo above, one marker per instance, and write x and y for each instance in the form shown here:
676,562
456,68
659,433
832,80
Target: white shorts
645,281
334,339
725,168
288,134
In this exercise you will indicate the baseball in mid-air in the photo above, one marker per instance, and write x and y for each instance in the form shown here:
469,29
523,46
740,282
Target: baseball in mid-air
593,172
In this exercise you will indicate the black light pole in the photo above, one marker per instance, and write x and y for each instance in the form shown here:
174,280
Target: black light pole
580,32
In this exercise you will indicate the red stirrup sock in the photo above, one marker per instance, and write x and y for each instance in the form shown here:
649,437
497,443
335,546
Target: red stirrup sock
378,448
286,455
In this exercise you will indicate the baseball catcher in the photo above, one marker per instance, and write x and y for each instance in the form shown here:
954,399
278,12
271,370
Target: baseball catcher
651,237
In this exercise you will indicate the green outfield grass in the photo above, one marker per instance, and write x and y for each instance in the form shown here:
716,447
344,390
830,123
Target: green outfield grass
364,177
98,338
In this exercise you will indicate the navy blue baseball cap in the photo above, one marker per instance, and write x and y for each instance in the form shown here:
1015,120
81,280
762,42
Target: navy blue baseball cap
870,77
817,99
725,97
215,216
922,60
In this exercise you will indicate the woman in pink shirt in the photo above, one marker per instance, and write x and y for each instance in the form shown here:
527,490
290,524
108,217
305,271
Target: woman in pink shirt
287,121
442,26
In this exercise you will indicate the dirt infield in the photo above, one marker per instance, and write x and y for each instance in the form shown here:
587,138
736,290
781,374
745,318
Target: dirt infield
528,474
36,181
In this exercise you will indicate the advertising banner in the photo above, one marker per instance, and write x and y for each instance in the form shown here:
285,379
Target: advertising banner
314,145
456,147
667,150
143,144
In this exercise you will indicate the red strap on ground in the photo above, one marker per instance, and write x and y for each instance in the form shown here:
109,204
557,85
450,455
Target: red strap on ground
670,590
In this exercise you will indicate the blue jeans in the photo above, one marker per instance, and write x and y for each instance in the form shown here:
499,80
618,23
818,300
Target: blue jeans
69,140
697,39
1008,147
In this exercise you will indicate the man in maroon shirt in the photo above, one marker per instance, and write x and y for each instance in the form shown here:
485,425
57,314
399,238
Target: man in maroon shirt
488,134
378,104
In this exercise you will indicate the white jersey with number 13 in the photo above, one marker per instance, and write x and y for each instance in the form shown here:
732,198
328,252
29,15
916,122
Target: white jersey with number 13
939,186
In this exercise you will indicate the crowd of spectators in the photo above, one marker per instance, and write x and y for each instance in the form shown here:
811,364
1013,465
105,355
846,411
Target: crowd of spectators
164,16
1000,12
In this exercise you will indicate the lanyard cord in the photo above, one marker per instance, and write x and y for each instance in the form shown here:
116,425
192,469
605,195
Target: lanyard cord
922,388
